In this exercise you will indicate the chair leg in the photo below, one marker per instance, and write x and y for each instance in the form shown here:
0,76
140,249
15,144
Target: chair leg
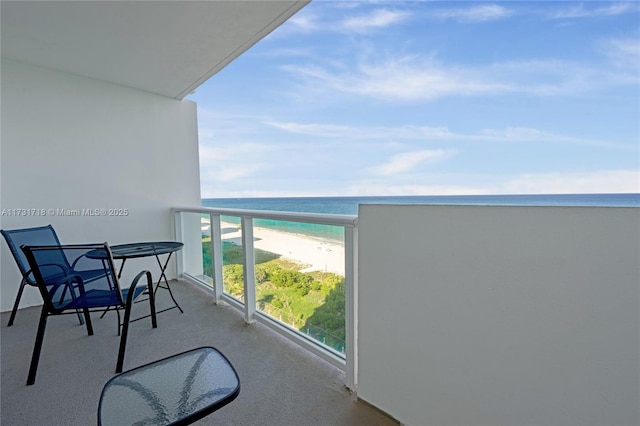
16,303
152,301
73,296
35,358
80,317
119,323
127,316
87,320
123,338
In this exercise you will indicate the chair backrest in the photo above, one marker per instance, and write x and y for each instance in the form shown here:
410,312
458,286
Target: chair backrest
40,236
88,279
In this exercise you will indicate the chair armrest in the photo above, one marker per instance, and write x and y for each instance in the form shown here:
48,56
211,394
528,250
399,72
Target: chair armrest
134,284
77,259
30,278
70,282
63,269
71,278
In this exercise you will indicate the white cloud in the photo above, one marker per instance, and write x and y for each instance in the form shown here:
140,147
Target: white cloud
605,181
303,22
231,151
377,19
397,80
435,133
230,173
336,131
222,164
623,52
482,13
306,22
560,77
287,52
517,134
580,11
385,188
407,161
212,191
526,134
316,129
409,81
412,79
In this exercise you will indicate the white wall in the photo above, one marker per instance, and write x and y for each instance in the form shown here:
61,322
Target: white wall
500,315
74,143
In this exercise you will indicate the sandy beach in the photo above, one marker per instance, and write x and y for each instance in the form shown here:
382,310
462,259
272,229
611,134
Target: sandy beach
320,255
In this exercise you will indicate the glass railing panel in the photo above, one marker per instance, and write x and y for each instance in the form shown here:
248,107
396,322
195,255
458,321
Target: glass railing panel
300,272
232,257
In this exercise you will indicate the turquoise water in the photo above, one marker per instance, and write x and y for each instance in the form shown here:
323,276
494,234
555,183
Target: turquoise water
323,232
349,206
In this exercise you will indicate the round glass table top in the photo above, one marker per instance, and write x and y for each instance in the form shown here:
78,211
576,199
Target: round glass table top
179,389
143,249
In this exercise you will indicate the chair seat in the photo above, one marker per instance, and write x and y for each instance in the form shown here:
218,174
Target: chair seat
90,275
99,299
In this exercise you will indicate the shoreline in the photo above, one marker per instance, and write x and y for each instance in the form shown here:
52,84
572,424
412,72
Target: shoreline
320,255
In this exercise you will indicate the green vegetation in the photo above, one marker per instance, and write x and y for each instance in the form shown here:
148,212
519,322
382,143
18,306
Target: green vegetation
312,302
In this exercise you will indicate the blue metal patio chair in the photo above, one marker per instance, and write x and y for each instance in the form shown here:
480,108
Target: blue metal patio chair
64,289
41,236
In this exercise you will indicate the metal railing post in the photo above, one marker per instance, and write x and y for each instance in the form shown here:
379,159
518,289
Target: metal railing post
178,229
249,270
351,305
216,256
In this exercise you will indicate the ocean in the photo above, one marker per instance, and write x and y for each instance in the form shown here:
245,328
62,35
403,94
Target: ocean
349,206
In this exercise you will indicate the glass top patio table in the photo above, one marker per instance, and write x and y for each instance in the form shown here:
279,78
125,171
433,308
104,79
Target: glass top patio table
144,249
177,390
133,250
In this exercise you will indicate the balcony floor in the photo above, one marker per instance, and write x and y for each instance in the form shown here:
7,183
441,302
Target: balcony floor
281,383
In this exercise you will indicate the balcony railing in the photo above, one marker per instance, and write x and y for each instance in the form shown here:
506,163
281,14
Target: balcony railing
294,272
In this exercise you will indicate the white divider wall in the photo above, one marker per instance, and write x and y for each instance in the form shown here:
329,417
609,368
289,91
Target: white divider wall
74,143
500,315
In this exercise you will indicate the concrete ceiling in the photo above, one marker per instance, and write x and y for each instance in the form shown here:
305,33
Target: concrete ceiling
163,47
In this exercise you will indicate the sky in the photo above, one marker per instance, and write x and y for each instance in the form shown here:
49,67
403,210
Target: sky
373,98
